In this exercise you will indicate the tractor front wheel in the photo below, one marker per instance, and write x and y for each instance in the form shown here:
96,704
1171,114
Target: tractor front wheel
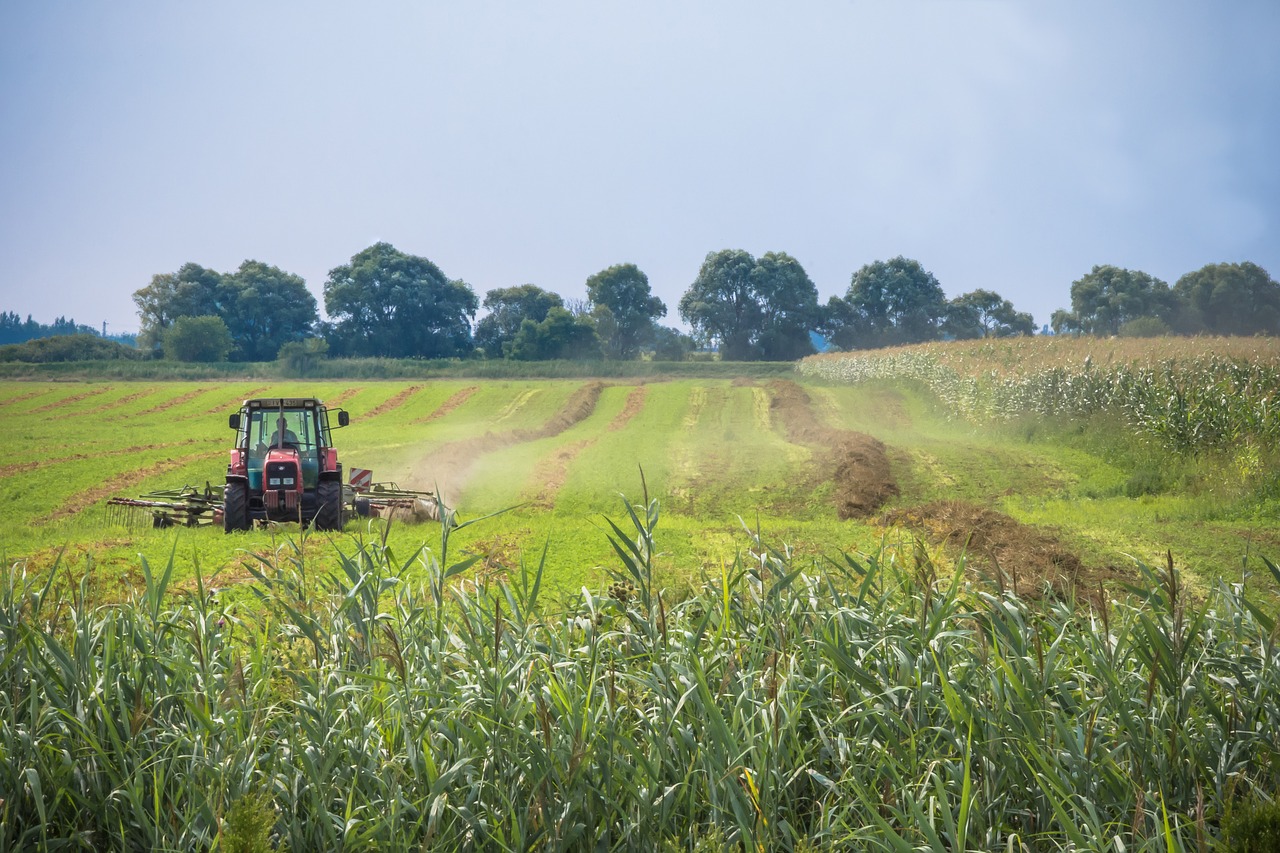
235,507
329,515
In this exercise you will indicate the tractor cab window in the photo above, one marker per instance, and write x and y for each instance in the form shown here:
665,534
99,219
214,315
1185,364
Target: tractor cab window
294,428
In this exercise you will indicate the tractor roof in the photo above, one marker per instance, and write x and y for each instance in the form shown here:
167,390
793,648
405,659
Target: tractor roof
283,403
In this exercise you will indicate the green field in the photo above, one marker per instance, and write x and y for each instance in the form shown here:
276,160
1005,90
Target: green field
555,457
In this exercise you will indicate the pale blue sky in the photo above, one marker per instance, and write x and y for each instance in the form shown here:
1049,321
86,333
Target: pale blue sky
1006,145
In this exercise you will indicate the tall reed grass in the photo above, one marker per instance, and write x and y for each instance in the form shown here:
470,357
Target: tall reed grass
396,702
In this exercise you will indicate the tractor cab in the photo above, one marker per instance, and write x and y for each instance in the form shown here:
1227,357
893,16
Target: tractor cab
283,465
281,433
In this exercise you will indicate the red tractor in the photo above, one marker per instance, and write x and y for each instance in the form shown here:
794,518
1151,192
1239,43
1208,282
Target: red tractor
284,466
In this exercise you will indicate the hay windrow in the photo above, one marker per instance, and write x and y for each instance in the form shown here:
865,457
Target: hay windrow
20,467
1028,560
394,403
858,464
344,395
176,401
632,407
123,482
448,406
67,401
447,467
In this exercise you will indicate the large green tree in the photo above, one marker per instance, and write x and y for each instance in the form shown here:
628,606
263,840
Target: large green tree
1108,297
559,335
192,291
390,304
888,303
721,306
1228,299
623,291
788,307
752,309
508,307
985,314
262,306
266,308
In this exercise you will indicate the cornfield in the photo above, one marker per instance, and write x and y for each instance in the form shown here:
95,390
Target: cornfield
1198,401
864,703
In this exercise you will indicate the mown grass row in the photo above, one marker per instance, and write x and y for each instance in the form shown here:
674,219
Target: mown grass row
1192,404
865,704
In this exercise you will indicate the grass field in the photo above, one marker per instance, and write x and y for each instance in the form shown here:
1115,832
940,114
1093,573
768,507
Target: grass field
717,453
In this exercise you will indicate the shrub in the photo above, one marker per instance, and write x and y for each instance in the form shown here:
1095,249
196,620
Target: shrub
205,339
1144,327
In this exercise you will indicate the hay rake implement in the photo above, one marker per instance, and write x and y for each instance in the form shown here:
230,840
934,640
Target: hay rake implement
188,506
191,506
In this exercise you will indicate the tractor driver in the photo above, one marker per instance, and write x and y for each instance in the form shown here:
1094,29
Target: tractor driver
282,430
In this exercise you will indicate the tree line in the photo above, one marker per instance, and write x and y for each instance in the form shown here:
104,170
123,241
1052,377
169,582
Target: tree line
15,330
390,304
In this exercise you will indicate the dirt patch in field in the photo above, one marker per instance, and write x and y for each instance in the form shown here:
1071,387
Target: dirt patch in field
633,407
455,400
448,466
395,402
67,401
118,484
1026,559
855,462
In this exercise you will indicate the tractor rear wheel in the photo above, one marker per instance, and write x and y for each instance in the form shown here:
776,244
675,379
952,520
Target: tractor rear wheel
235,507
329,515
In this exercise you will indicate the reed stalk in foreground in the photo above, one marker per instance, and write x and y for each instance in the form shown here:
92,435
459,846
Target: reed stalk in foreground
394,703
